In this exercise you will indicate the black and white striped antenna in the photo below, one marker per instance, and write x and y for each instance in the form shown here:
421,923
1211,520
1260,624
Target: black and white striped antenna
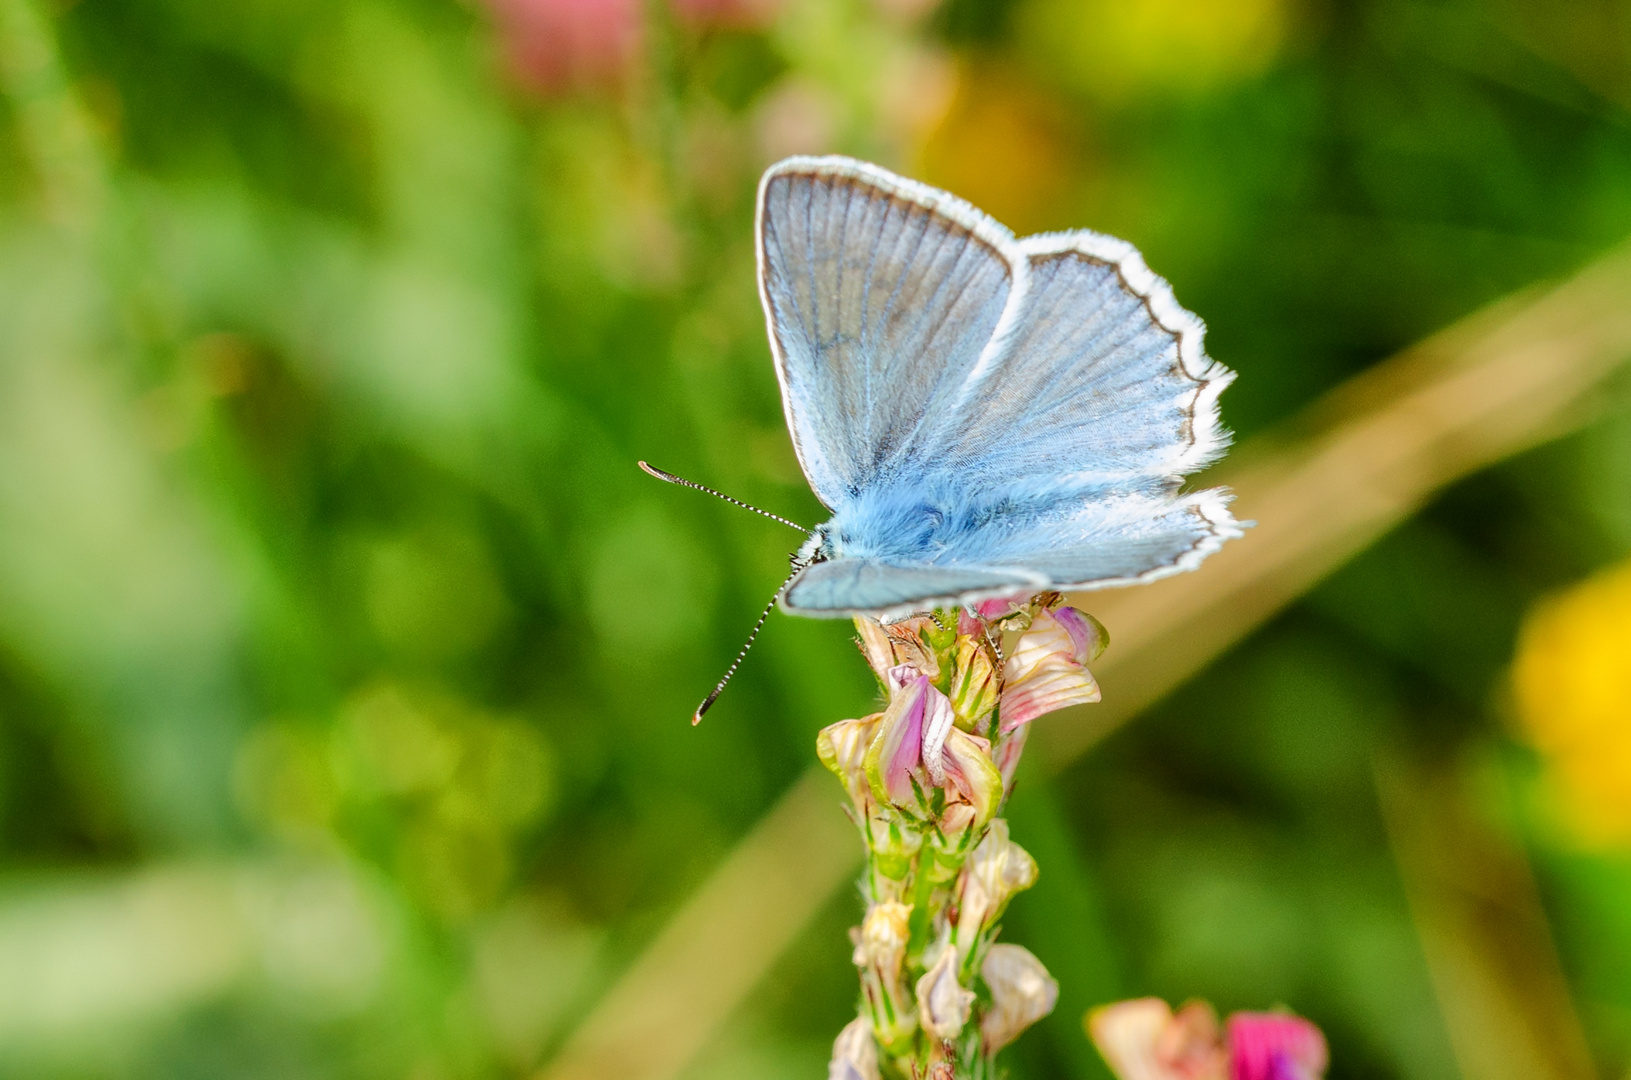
719,687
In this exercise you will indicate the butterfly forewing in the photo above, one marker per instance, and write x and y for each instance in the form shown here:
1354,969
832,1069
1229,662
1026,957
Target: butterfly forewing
880,296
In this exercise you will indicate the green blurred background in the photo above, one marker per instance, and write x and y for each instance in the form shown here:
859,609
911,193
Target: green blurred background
345,657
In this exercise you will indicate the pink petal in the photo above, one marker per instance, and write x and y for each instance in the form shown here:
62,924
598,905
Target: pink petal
1087,634
1276,1046
1047,688
908,750
558,44
999,606
900,677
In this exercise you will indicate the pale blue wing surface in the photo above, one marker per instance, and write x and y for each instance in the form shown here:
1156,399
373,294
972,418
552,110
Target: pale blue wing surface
1064,542
1102,384
844,586
1115,540
880,295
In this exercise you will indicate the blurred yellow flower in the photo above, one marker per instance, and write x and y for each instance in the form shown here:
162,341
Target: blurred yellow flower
1121,49
1572,681
1001,145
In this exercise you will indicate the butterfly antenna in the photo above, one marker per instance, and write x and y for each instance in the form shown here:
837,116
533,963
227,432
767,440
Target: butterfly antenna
719,687
682,482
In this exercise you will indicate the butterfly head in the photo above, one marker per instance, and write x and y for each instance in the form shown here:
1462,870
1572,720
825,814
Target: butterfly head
818,548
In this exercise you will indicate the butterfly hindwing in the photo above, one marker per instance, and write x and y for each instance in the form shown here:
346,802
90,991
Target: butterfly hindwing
842,586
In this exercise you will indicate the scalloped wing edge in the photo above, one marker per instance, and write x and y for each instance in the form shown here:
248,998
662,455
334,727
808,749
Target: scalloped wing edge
1208,437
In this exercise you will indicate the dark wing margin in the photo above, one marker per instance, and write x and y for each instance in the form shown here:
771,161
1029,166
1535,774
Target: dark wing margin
881,296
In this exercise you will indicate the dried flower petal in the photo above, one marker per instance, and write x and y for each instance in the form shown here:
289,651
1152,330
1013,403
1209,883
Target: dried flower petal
1022,992
1275,1046
942,1003
854,1053
909,638
875,645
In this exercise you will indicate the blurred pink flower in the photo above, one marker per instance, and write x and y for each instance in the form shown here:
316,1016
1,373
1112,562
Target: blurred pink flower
1275,1046
1144,1039
745,14
557,45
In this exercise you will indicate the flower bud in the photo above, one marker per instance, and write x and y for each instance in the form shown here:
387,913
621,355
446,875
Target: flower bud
842,748
1022,992
1047,670
996,870
881,945
875,646
974,683
893,847
942,1003
854,1053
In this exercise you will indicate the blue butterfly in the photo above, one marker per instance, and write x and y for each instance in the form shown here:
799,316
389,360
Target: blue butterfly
983,415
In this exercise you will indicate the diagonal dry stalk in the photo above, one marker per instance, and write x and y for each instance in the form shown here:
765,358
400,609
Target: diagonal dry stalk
1354,465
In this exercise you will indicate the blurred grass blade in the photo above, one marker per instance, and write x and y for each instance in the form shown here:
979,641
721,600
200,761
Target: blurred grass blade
1358,462
1477,910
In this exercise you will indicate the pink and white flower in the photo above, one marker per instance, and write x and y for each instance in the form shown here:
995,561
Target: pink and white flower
1047,670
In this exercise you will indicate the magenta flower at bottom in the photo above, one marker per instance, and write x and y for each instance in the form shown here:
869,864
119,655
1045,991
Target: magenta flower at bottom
1144,1039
